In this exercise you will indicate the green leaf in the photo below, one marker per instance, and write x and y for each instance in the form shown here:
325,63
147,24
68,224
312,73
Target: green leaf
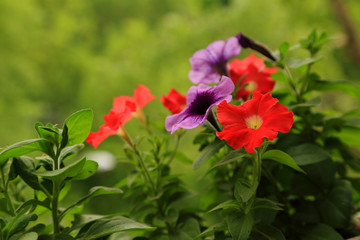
77,127
105,227
270,232
310,103
244,190
94,191
283,158
284,48
224,205
240,225
48,132
70,151
307,153
87,171
26,236
23,148
296,62
349,135
210,231
279,77
25,166
231,157
335,209
63,173
207,153
322,232
18,223
325,85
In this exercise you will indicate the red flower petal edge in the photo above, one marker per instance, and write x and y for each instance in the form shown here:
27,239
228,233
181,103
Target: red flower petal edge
174,101
247,125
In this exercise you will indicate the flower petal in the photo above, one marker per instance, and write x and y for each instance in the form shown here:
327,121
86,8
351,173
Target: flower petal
142,96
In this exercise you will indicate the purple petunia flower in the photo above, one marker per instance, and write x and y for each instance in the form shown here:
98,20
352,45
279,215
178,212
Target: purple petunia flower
209,64
200,100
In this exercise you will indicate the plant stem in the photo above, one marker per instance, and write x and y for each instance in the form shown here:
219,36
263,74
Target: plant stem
6,193
257,167
54,207
292,83
145,170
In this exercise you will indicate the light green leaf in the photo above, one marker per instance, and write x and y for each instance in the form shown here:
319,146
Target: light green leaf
224,205
311,103
26,236
348,87
283,158
349,135
296,62
105,227
63,173
69,151
210,231
207,153
77,127
87,171
23,148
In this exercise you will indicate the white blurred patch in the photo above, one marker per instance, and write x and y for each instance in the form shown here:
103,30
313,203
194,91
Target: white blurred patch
105,159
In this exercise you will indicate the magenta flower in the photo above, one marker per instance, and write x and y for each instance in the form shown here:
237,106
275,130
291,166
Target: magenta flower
209,64
200,100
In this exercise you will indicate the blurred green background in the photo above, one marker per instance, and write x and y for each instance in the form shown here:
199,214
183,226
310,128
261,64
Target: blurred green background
57,57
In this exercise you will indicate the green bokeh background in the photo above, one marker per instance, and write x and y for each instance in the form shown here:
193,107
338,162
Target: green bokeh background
57,57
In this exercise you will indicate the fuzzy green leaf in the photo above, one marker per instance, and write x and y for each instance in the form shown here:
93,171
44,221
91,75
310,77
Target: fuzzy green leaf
77,127
207,153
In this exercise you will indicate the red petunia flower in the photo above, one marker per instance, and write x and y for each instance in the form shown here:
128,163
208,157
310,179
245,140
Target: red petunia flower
174,101
247,125
142,96
250,74
124,108
114,122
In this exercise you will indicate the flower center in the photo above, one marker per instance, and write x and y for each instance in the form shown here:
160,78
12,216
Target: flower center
201,103
250,86
254,122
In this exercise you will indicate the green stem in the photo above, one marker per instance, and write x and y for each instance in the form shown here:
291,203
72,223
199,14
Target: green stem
54,207
6,193
292,83
305,85
257,167
145,170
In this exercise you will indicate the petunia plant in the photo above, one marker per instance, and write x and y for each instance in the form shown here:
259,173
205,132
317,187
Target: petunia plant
271,162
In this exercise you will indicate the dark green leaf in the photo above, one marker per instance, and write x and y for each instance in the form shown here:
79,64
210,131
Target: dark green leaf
94,191
322,232
335,209
207,153
283,158
269,232
78,126
231,157
244,190
24,166
239,224
307,153
19,223
48,132
105,227
23,148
